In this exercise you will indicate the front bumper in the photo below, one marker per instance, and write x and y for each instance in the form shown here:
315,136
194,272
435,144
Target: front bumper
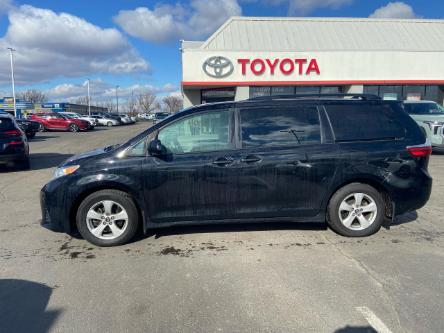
55,208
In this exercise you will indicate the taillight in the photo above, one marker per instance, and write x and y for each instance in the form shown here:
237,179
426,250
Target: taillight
13,132
420,150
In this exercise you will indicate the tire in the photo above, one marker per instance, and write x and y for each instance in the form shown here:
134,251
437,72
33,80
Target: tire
105,226
31,135
342,206
109,124
73,128
24,164
42,128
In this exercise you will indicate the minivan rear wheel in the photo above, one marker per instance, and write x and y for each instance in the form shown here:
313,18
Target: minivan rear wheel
356,210
107,218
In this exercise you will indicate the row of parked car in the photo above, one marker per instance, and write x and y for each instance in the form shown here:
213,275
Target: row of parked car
74,122
14,133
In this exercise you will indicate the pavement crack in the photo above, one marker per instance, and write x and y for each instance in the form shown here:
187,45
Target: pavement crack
372,275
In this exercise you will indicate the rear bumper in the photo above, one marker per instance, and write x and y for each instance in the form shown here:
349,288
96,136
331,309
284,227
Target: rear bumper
10,158
415,196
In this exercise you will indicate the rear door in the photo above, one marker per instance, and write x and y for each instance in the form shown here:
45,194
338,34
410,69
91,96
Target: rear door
284,164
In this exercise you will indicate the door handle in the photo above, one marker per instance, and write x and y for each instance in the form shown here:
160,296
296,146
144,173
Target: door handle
251,159
222,161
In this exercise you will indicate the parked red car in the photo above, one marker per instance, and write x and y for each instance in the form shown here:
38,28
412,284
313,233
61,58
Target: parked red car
55,121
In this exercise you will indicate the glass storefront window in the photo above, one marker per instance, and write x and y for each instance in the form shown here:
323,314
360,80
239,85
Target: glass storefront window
331,90
407,92
218,95
282,90
307,90
259,91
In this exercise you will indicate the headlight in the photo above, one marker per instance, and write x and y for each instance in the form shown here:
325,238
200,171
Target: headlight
63,171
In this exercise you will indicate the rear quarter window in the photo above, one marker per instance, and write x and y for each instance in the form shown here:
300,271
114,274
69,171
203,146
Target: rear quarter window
357,122
280,126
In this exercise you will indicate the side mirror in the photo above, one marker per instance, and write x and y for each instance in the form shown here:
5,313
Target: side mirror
155,148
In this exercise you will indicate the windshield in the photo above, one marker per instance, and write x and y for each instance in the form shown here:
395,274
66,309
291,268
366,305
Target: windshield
70,116
424,108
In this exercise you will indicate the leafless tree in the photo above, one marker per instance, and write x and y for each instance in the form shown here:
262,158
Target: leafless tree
32,96
147,102
110,106
172,103
131,104
83,100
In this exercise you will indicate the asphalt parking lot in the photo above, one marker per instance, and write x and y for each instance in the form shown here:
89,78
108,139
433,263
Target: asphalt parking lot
240,278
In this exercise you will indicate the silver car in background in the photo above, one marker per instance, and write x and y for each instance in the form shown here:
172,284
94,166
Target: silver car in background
104,121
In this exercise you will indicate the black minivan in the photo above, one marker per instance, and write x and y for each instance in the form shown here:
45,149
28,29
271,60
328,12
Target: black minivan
350,160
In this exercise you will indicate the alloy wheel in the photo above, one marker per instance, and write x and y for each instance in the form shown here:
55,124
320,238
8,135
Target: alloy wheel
107,219
358,211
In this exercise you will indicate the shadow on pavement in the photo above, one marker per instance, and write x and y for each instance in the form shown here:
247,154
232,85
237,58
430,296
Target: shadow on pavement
401,219
47,160
238,227
23,307
356,329
39,138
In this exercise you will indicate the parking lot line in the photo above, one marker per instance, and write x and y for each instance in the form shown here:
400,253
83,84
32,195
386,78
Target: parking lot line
373,320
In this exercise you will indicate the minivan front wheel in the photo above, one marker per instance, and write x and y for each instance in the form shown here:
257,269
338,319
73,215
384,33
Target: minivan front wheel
356,210
108,218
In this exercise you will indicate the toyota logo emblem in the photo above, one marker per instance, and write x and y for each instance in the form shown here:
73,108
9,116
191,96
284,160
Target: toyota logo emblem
218,67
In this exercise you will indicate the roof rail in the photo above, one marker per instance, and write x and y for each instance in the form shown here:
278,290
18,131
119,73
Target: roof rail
365,97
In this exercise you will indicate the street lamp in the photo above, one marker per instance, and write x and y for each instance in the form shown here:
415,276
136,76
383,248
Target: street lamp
89,100
11,50
117,100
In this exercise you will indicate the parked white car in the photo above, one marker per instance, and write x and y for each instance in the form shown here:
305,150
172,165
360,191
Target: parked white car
146,116
74,115
101,120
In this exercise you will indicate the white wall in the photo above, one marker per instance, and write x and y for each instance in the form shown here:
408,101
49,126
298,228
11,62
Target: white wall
335,67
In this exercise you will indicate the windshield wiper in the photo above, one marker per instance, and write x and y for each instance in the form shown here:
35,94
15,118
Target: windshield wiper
293,131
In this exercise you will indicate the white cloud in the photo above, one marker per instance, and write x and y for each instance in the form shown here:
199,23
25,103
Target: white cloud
394,10
103,91
167,23
51,45
304,7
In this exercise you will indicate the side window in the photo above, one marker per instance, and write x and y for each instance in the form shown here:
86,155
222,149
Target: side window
199,133
364,122
278,126
139,149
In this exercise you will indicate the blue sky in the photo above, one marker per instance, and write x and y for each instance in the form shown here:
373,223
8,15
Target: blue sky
134,43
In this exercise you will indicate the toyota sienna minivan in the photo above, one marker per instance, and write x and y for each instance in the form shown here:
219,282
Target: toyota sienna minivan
349,160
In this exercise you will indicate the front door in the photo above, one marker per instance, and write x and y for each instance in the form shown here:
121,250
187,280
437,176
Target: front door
194,179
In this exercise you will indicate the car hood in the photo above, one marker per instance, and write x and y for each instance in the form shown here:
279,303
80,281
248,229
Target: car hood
86,155
432,117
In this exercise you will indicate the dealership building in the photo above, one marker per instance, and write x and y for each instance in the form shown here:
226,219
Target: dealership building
260,56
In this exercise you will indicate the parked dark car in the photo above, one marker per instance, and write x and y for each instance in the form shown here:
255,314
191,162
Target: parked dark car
29,127
352,161
14,149
56,122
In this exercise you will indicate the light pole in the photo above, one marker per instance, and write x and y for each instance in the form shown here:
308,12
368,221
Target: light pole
117,100
11,50
89,100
